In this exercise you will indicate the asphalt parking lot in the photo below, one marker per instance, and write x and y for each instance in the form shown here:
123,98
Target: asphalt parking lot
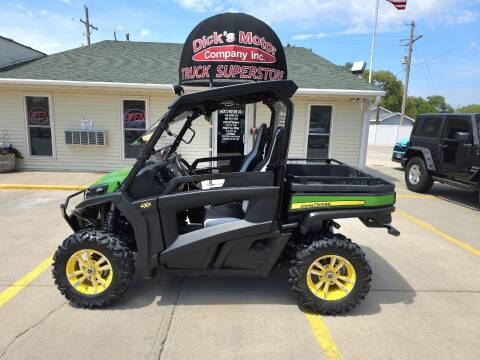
424,302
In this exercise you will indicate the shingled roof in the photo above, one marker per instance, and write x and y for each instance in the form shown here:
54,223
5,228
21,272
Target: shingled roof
157,63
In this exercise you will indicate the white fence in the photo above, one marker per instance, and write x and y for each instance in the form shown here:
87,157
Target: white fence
387,135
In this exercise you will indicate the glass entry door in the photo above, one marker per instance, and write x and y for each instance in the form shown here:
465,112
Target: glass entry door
319,131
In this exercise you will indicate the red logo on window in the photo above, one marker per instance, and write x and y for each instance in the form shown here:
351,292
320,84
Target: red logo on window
134,115
38,114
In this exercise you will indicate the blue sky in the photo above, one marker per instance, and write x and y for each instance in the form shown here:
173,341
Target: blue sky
446,60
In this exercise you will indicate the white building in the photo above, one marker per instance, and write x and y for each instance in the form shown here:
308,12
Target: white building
103,85
387,117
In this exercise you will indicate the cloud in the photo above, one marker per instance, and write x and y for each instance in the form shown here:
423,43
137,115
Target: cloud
68,2
202,5
356,16
309,36
43,30
145,32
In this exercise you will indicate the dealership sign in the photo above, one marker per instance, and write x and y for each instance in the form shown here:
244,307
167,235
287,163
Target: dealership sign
232,46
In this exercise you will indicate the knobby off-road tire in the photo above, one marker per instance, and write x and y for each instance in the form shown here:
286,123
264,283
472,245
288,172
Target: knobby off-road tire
417,177
94,244
340,248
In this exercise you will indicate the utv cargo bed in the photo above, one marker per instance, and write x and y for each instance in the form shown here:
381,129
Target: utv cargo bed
328,184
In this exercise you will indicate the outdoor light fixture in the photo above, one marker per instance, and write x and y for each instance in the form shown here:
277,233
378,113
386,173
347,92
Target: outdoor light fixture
358,67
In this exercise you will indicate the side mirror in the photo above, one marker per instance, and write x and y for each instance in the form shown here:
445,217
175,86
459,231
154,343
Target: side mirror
192,136
462,136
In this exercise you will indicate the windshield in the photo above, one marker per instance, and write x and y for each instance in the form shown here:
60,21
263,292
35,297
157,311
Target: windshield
170,131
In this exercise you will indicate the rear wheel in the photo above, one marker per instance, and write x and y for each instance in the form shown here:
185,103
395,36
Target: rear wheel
92,268
330,276
417,177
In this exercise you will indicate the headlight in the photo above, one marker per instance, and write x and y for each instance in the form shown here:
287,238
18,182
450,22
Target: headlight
96,190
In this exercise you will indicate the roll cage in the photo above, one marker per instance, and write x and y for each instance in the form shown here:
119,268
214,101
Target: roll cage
274,94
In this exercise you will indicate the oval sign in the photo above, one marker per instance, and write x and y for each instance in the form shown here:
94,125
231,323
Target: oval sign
232,46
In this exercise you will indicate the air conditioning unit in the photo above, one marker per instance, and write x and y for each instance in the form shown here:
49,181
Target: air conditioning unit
85,137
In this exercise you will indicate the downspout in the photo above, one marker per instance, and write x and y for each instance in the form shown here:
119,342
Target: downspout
365,105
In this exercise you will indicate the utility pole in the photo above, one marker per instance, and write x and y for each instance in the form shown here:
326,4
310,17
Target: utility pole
411,40
88,27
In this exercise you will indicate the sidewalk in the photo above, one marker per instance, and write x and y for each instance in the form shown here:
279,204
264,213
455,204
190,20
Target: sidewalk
62,178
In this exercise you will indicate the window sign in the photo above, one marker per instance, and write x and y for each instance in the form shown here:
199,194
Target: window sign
231,128
38,124
134,125
86,124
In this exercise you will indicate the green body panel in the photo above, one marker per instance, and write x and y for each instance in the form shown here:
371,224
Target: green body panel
307,202
114,178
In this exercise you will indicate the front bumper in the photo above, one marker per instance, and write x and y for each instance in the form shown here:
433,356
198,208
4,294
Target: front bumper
397,156
63,208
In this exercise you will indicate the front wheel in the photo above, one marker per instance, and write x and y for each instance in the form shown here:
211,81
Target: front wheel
92,268
417,177
330,276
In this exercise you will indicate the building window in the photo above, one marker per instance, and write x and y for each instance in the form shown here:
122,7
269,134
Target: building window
319,131
38,125
134,125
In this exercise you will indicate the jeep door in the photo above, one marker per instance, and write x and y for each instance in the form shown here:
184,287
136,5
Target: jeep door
457,153
426,134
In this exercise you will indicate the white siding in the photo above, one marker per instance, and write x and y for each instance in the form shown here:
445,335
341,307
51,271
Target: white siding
103,107
68,108
345,133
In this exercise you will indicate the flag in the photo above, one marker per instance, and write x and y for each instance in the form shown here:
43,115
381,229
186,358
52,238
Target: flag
399,4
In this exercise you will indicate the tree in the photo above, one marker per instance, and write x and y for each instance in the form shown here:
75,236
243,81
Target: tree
439,104
391,85
417,105
472,108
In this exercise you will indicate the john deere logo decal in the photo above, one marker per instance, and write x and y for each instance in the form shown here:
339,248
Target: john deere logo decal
146,205
322,204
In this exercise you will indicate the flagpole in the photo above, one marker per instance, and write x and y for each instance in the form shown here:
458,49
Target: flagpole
373,43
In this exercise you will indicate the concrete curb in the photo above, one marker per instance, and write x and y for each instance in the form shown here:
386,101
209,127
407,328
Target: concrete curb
41,187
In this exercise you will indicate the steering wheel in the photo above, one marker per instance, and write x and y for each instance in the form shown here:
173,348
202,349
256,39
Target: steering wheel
184,166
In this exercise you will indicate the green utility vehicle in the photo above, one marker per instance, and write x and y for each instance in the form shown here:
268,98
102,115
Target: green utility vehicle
226,216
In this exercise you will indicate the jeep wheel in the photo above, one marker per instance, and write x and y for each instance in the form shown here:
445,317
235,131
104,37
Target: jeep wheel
330,276
417,176
92,268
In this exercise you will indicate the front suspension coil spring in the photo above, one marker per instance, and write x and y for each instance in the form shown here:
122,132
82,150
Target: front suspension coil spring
110,224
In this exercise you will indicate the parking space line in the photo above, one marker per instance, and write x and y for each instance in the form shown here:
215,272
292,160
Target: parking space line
440,233
40,187
416,197
14,289
323,337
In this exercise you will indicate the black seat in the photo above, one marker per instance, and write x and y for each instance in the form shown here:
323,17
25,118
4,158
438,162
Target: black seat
256,154
272,154
221,214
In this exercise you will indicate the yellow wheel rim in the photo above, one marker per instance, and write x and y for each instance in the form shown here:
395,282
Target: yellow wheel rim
89,272
331,277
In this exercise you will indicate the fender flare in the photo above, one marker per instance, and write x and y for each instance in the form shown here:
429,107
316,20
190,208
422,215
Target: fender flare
427,156
145,264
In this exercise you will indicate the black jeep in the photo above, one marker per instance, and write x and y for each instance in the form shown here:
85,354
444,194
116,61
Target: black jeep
444,148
